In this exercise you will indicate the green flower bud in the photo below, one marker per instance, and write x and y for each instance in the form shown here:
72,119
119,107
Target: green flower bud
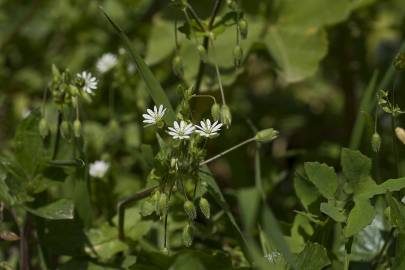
77,128
237,55
65,129
147,208
226,116
190,210
266,135
43,128
163,204
399,61
400,132
155,200
243,27
376,142
202,52
216,112
178,66
205,208
187,235
231,4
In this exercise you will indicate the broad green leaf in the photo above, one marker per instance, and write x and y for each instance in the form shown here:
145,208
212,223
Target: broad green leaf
104,242
323,177
61,209
360,216
300,230
5,195
161,41
155,89
275,236
367,188
313,257
297,40
187,261
333,211
29,148
355,165
306,191
135,228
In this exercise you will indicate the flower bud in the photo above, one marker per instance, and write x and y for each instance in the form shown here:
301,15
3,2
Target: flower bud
205,208
190,210
155,200
43,128
226,116
187,235
400,132
376,142
399,61
237,55
147,208
65,129
77,128
243,28
216,112
163,204
178,66
266,135
202,52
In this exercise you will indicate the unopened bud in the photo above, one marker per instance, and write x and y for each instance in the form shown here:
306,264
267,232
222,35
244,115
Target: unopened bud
65,129
216,112
43,128
187,235
163,204
237,55
376,142
147,208
77,128
155,200
205,208
266,135
399,61
243,27
202,52
190,210
400,132
226,116
178,66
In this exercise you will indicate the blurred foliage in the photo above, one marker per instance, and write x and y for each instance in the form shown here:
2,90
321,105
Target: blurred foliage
309,69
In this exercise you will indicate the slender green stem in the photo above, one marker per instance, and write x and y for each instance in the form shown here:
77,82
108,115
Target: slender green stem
204,96
393,126
227,151
218,74
195,17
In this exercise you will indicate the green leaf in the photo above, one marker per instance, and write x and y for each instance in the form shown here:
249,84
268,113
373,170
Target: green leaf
61,209
161,40
336,213
313,257
360,216
397,213
323,177
355,165
186,262
5,195
297,40
155,89
29,149
275,235
306,191
249,200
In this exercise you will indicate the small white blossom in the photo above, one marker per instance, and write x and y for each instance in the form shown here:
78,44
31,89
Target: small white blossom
153,117
181,130
99,168
90,82
403,200
106,62
206,129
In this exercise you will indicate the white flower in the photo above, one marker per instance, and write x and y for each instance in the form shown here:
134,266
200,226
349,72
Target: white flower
206,129
106,62
99,168
403,200
90,82
153,117
181,130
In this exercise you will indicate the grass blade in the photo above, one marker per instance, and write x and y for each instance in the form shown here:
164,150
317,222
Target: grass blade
155,89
